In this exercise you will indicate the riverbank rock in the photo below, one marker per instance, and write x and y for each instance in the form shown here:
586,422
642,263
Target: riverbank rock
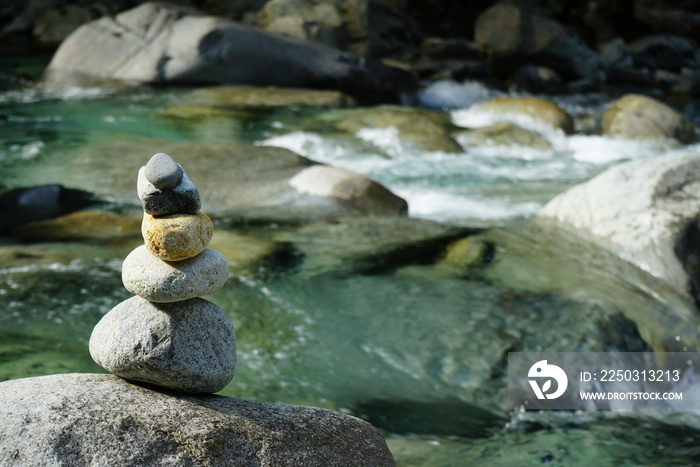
168,44
635,116
511,36
81,419
248,182
645,211
534,107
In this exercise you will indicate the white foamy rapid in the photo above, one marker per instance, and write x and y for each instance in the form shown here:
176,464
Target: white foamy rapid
489,184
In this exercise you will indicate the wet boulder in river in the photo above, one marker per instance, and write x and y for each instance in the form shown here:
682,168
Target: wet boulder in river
635,116
167,44
645,211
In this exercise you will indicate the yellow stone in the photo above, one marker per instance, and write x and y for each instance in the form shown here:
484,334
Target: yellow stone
177,236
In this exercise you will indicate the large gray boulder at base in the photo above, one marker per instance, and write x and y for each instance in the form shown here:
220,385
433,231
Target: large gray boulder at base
93,419
646,211
163,43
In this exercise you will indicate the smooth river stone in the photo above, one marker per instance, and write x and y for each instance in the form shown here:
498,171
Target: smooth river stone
163,172
166,281
177,236
182,199
188,346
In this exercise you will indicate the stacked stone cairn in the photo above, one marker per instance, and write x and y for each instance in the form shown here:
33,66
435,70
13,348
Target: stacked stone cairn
166,335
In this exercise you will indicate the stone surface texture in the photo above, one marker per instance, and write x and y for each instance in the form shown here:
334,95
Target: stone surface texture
163,172
178,236
91,419
636,116
159,281
364,194
645,211
182,199
188,346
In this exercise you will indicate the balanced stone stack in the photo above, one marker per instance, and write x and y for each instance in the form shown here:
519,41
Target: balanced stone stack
166,335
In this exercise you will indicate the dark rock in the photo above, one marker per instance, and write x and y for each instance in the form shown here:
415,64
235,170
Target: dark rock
615,54
83,419
163,43
39,203
665,52
512,36
537,79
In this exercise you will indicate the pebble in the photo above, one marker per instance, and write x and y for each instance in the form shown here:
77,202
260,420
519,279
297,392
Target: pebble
187,346
178,236
182,199
161,281
163,172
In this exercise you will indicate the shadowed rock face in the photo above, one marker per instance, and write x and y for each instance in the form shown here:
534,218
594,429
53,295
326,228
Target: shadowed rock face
163,43
90,419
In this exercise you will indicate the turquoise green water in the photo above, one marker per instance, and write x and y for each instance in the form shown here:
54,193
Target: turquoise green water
346,316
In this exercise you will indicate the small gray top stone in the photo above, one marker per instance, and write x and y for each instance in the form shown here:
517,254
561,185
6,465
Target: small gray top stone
163,172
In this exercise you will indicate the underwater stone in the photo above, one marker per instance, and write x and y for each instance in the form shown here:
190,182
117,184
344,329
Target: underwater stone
182,199
163,172
187,346
169,281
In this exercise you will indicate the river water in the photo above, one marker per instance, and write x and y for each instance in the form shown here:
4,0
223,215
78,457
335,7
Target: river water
411,344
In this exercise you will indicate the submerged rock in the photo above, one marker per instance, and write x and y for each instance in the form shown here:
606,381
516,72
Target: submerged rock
250,182
645,211
100,419
220,98
87,225
636,116
163,43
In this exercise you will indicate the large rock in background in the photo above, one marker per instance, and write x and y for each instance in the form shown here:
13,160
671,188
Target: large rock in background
164,43
90,419
645,211
511,36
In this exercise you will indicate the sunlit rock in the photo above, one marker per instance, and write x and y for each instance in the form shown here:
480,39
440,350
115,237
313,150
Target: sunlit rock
636,116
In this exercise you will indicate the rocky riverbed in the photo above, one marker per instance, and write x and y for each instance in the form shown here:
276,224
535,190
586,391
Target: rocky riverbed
442,197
